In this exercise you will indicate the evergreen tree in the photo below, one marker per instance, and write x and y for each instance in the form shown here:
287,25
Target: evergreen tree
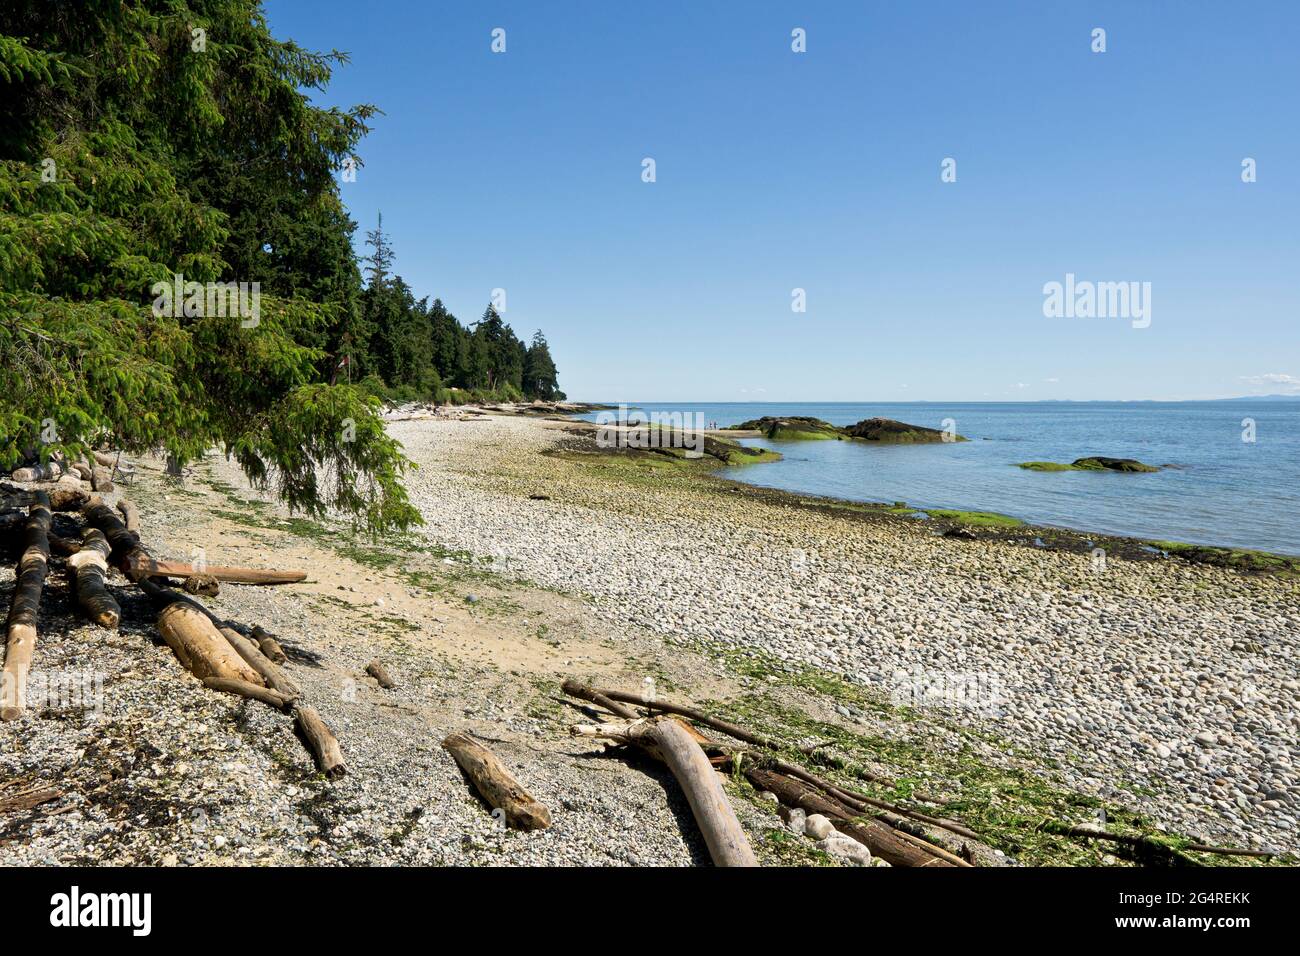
132,148
540,377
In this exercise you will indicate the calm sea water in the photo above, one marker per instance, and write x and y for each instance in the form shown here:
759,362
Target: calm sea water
1224,490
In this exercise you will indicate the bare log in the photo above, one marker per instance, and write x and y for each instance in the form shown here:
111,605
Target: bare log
89,567
881,840
255,659
496,784
190,633
21,627
267,695
128,554
380,673
677,745
46,472
322,744
143,564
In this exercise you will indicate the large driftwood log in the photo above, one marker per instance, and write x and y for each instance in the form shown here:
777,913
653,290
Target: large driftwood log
21,628
89,567
160,568
323,744
496,784
128,553
881,840
669,739
190,633
44,472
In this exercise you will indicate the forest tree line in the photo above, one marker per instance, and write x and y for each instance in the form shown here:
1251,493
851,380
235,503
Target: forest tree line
401,348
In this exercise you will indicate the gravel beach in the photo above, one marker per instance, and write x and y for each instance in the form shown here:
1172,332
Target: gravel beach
1159,686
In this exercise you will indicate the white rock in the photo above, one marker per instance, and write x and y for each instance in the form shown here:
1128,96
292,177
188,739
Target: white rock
818,827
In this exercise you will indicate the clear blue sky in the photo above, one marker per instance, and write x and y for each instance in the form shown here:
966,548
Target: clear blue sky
821,170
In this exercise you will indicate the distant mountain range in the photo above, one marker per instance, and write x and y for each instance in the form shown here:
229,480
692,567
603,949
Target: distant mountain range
1260,398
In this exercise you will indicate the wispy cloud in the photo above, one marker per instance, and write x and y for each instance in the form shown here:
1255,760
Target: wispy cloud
1279,381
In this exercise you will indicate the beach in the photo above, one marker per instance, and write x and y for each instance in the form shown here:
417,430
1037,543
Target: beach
1009,680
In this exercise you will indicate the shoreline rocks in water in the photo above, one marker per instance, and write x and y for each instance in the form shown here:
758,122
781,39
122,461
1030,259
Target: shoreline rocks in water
806,428
898,433
793,428
1091,463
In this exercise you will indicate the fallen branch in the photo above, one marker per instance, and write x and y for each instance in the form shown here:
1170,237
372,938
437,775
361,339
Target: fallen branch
676,744
268,645
496,784
21,628
881,840
255,659
323,745
268,696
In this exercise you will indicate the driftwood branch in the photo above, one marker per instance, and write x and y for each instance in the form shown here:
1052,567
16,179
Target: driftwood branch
496,784
881,840
323,745
268,696
677,745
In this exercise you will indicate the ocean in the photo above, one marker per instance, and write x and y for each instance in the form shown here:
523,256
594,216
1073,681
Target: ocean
1221,490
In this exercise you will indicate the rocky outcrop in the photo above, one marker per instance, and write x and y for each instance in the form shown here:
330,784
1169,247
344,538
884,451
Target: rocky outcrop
792,428
898,433
1091,463
1101,463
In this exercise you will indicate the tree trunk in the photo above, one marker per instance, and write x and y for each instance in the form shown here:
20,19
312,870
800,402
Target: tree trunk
21,628
89,566
497,785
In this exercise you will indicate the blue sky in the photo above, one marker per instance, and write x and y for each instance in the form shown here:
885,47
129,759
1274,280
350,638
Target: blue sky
777,170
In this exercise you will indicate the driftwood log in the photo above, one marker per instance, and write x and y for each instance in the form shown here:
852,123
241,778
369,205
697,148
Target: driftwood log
881,840
670,740
128,553
46,472
146,566
267,695
496,784
190,633
254,658
20,642
89,566
380,673
130,515
318,739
